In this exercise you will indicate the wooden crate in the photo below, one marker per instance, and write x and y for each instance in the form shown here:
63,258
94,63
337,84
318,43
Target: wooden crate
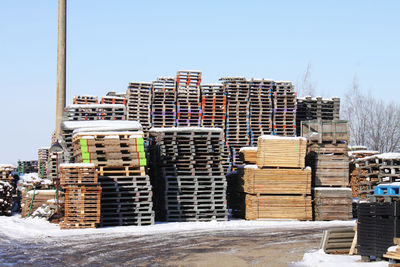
332,204
326,131
331,170
276,151
276,181
278,207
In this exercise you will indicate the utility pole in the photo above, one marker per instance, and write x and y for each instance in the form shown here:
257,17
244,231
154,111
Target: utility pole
61,62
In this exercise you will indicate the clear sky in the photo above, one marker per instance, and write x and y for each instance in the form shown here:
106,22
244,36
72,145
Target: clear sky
110,43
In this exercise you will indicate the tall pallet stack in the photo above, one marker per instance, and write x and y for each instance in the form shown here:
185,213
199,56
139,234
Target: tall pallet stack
261,111
213,106
82,195
187,175
126,197
163,106
285,105
317,108
188,98
327,154
43,156
114,100
353,156
237,123
53,164
279,186
27,166
85,112
85,99
139,104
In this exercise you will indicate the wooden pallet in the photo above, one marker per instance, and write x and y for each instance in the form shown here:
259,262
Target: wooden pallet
337,240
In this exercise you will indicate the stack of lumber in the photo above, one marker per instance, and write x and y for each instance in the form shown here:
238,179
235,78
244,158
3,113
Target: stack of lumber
355,154
163,106
285,104
327,151
213,106
139,103
188,98
27,166
394,255
6,198
318,108
5,172
109,99
34,199
261,111
237,115
43,157
85,112
278,151
126,197
378,169
82,195
84,99
249,155
332,203
187,174
278,187
377,225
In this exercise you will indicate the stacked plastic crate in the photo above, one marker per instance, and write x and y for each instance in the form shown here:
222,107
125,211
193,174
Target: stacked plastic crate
188,98
163,106
139,104
285,104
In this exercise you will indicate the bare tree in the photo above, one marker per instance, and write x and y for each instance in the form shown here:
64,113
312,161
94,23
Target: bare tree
306,86
373,123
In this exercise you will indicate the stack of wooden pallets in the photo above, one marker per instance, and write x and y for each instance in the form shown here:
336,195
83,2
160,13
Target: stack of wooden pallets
261,111
163,106
53,164
327,154
237,115
27,166
187,174
332,203
285,105
109,99
188,106
85,99
213,106
126,197
5,172
85,112
278,187
82,195
139,103
43,157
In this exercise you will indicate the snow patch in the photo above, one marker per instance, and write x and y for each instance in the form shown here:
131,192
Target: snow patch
248,148
77,165
103,124
266,137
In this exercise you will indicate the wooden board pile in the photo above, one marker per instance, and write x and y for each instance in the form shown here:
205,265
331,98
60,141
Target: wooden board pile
332,204
34,199
238,106
139,103
84,99
213,106
82,195
261,111
43,157
278,187
285,104
376,170
6,199
85,112
355,154
27,166
109,99
126,197
163,106
188,98
318,108
187,175
394,255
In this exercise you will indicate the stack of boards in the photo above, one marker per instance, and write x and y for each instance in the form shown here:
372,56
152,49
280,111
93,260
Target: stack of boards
332,203
34,199
187,174
277,186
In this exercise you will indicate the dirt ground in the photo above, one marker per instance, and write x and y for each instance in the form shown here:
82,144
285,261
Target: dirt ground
256,247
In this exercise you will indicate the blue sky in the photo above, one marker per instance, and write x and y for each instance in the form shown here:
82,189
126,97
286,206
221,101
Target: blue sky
111,43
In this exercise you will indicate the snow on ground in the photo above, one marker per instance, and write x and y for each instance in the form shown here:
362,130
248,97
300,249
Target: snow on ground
321,259
19,228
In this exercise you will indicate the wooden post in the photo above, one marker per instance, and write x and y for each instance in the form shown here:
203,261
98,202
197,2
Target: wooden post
61,63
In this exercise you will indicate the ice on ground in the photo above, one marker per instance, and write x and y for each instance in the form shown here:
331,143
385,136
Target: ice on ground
17,227
320,259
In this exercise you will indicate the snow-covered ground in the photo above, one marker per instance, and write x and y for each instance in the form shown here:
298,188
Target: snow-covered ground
19,228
